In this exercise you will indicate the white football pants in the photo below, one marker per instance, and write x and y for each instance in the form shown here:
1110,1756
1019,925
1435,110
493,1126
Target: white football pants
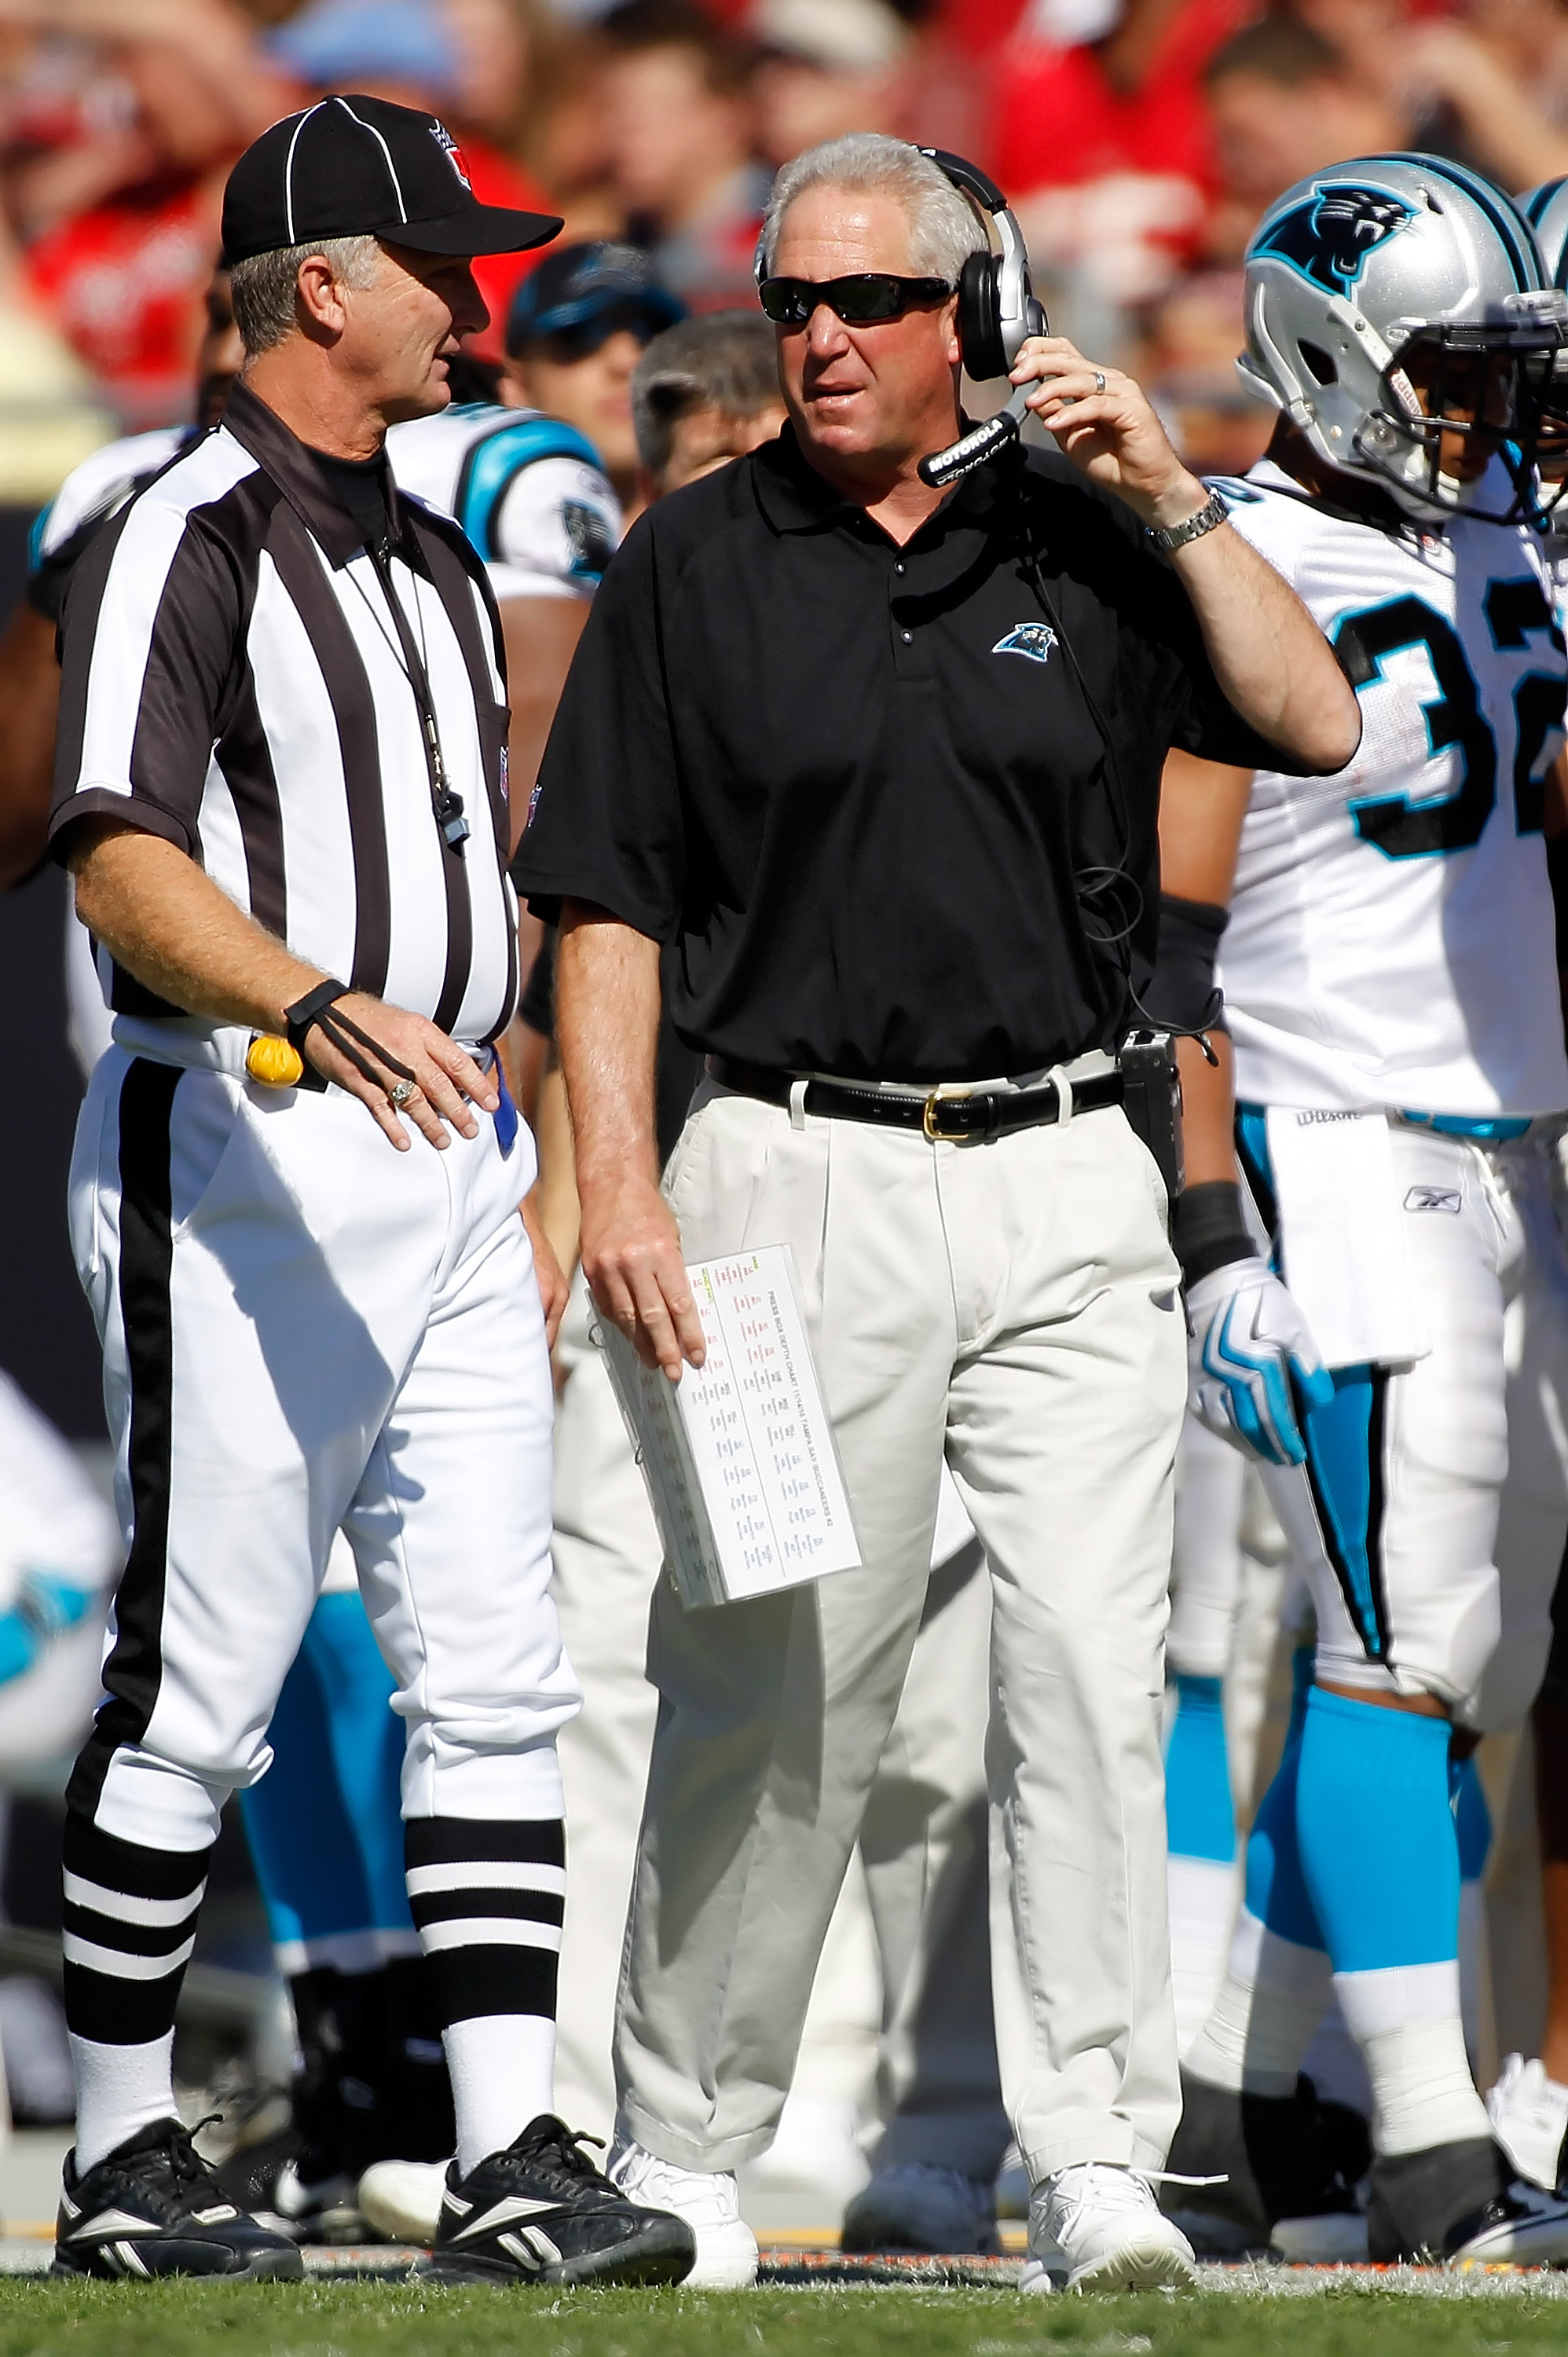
1430,1521
1016,1304
303,1329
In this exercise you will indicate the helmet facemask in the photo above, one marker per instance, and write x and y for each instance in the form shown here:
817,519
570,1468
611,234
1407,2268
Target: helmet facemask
1456,398
1551,442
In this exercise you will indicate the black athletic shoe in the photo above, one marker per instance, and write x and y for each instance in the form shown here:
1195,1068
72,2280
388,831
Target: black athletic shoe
154,2208
292,2189
1457,2205
1281,2190
541,2213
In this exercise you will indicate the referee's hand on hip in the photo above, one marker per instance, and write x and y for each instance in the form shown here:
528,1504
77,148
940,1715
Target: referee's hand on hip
445,1076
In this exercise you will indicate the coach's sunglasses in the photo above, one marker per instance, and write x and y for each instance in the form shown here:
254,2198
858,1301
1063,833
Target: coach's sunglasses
871,295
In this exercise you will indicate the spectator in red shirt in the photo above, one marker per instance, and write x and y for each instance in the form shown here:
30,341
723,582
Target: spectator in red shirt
1100,137
121,222
413,54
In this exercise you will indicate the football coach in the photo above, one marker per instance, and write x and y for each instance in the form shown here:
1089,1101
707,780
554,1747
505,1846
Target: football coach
885,766
280,790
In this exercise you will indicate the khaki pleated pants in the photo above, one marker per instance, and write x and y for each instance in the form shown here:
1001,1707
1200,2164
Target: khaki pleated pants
1016,1305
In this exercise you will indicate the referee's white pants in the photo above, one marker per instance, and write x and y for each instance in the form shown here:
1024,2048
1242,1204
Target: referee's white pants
303,1329
1431,1529
1016,1303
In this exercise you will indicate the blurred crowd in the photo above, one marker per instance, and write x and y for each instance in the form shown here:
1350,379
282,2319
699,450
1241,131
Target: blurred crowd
1139,141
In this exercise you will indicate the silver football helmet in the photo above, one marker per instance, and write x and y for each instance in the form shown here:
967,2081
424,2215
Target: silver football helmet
1390,299
1546,210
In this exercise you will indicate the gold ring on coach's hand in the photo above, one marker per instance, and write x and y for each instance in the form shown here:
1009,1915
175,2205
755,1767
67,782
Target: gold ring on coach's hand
400,1095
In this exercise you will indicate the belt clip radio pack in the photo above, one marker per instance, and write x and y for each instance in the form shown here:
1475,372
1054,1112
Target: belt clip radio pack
1153,1100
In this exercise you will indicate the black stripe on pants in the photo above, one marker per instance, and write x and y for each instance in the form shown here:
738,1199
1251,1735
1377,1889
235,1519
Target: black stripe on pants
134,1669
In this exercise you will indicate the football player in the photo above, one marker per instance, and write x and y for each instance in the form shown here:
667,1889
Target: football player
1390,977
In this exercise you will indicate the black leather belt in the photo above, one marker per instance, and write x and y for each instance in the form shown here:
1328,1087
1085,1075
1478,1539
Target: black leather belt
957,1115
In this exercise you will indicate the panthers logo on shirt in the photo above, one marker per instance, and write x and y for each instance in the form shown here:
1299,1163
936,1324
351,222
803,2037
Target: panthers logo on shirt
1330,235
1034,639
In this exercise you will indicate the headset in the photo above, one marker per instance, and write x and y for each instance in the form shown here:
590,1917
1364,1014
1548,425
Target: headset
997,309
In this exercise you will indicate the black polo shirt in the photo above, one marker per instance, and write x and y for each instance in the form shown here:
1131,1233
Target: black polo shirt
858,787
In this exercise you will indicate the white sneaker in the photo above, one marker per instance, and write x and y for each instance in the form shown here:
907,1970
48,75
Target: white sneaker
1097,2227
1529,2113
401,2198
710,2204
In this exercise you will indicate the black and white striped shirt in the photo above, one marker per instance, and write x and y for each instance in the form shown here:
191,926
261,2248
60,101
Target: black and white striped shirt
233,681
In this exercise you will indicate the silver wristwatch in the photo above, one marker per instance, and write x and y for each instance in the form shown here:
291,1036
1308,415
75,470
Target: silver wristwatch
1214,510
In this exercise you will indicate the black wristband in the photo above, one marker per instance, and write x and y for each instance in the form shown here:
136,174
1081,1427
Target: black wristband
1210,1230
298,1019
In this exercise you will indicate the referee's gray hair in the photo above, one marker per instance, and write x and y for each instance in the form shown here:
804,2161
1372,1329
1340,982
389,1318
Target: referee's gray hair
265,288
944,228
726,361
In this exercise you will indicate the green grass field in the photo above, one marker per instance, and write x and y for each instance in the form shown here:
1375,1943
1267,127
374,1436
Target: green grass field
369,2319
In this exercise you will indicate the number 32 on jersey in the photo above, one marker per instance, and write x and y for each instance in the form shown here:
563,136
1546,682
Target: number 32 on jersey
1403,826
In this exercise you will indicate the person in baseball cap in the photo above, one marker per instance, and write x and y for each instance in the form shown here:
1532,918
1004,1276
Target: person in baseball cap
352,165
578,326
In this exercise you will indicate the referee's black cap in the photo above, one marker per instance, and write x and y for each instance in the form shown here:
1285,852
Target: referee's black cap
351,167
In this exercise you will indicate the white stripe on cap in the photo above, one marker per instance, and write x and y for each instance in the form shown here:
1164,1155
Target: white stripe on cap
386,151
288,167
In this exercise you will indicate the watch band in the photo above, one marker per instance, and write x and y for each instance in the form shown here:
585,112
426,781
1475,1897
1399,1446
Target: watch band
1213,511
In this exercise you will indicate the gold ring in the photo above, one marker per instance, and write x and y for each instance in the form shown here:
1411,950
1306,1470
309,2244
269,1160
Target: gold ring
400,1095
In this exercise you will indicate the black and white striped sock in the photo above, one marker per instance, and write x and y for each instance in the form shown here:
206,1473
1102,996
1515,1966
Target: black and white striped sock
130,1926
488,1897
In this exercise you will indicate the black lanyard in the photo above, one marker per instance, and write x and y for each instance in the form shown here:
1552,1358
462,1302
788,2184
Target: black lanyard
447,804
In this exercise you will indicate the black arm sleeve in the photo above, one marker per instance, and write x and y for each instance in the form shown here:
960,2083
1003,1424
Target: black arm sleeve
1182,993
1208,1229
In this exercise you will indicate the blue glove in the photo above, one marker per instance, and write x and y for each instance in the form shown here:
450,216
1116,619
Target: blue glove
1248,1341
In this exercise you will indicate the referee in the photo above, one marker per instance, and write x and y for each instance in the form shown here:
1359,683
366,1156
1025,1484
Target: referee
281,789
884,768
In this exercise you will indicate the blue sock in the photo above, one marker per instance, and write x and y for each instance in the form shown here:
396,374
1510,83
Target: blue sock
1276,1985
1201,1820
1376,1834
1381,1860
323,1824
1277,1895
368,1742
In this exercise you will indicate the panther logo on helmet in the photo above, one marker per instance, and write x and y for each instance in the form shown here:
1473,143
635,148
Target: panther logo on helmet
1330,236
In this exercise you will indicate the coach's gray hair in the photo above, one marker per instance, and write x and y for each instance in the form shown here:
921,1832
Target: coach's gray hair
944,228
266,288
726,361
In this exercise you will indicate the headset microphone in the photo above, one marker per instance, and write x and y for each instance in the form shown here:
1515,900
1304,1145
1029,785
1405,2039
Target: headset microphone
982,442
997,309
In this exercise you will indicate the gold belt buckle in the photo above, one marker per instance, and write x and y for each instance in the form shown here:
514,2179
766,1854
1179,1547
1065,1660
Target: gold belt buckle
931,1120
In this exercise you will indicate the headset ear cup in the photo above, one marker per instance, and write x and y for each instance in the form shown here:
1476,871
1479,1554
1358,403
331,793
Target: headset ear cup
980,315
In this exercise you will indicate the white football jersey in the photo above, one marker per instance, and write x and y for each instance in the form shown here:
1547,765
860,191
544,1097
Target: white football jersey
526,490
1391,940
